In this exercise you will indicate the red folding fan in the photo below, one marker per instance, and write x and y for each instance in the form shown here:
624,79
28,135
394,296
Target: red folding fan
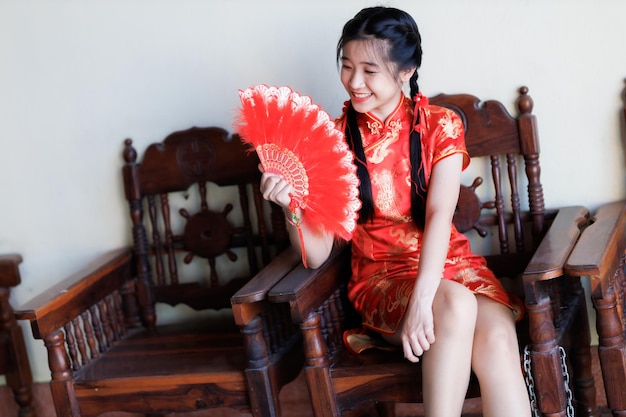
297,139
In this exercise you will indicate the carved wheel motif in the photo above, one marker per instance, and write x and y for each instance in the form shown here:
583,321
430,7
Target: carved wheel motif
467,214
208,234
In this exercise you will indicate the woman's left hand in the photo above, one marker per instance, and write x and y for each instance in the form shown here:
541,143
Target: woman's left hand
418,331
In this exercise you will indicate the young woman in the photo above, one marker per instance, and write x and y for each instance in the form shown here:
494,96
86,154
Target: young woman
414,278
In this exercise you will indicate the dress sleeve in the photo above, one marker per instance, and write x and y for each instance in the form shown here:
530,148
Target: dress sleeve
444,136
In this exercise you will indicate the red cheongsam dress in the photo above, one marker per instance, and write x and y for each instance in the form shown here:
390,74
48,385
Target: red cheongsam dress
386,251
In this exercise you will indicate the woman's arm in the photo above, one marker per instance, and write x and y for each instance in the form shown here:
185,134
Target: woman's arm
443,193
317,244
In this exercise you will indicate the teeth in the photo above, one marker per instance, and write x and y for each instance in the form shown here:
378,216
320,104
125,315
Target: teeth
361,95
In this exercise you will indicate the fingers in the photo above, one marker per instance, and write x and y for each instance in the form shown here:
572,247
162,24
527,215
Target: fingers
409,353
416,345
430,336
275,188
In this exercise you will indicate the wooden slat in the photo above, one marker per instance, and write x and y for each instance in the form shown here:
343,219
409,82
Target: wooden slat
68,298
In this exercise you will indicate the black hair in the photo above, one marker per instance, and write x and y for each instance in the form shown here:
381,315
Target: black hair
402,47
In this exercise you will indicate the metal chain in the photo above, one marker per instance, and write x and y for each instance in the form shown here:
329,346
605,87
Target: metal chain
568,391
530,383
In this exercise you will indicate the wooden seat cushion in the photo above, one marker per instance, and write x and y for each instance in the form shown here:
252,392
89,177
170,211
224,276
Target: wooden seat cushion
207,363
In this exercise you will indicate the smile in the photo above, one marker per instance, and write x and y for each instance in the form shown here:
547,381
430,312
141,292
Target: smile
361,96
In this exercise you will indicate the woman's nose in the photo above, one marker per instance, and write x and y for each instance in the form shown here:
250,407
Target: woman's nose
356,80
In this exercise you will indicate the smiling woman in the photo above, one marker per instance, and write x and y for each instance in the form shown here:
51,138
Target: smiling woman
371,83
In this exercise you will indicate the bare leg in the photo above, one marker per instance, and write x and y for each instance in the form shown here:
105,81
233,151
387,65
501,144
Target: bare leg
447,364
496,362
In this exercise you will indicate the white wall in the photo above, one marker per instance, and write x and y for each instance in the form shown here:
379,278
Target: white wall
79,76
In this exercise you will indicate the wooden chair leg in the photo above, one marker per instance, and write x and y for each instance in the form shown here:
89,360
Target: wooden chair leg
257,374
19,376
580,357
612,350
61,385
317,369
546,360
20,381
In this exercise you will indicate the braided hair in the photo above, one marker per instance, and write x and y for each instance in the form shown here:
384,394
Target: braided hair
401,46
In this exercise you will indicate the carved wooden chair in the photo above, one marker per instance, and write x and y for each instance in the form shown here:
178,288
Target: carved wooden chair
600,254
530,248
14,363
201,232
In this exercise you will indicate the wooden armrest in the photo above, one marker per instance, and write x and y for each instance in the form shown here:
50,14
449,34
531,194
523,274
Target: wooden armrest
601,246
248,302
256,289
550,257
75,294
9,270
557,244
306,289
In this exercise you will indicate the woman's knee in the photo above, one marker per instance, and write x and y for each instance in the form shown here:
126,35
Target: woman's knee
455,306
495,356
495,338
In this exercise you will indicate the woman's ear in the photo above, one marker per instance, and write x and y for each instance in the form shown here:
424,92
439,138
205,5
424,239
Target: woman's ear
405,75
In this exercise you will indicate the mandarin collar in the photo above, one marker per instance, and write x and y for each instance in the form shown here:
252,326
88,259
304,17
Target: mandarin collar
375,124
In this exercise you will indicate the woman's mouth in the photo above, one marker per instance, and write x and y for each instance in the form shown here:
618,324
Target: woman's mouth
360,97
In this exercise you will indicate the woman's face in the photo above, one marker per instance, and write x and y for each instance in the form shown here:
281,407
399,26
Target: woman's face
370,82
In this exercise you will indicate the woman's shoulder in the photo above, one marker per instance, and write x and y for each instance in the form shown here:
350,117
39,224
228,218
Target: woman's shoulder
436,111
438,117
439,123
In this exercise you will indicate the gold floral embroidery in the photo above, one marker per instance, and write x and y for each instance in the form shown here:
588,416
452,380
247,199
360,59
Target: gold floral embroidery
401,296
390,301
374,127
385,201
382,284
406,242
451,128
395,126
380,149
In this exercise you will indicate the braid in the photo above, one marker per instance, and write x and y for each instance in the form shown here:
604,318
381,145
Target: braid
419,192
413,84
355,143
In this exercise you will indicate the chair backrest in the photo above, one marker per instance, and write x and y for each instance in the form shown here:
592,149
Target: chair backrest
505,142
197,216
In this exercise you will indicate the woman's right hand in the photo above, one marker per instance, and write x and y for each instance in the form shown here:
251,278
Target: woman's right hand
318,242
275,188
